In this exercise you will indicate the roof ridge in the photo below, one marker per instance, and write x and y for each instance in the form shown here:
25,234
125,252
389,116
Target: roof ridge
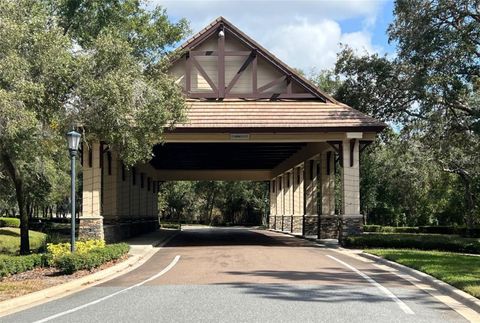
266,53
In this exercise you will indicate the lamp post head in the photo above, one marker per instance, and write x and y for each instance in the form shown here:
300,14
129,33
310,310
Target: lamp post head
73,139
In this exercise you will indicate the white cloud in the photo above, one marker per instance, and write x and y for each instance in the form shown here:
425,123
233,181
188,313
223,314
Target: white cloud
305,34
306,46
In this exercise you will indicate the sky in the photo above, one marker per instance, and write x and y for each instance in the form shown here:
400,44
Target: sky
305,34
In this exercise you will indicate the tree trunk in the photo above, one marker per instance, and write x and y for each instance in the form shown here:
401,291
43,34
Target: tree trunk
22,208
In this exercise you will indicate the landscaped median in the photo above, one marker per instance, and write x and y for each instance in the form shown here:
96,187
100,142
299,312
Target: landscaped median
441,242
450,258
90,254
461,271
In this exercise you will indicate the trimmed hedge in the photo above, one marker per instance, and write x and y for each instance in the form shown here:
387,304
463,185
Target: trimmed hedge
17,264
423,229
71,263
386,229
10,222
414,241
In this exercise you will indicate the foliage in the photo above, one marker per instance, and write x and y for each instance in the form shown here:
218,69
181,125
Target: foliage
10,265
461,271
10,222
214,202
440,242
327,80
58,250
386,229
70,263
425,171
10,242
460,230
68,63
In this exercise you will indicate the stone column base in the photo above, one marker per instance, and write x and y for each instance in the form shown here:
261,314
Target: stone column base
350,224
310,225
297,224
271,222
278,222
287,223
329,226
91,228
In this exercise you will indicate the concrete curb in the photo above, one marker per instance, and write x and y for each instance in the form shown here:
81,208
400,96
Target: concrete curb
46,295
449,290
325,242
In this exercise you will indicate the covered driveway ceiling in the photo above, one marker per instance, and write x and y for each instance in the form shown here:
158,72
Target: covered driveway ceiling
228,156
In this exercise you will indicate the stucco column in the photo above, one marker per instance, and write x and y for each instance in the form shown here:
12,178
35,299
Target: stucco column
280,203
273,204
328,219
111,185
311,179
288,198
298,199
91,221
135,194
350,219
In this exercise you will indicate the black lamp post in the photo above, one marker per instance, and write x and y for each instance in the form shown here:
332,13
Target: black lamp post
73,139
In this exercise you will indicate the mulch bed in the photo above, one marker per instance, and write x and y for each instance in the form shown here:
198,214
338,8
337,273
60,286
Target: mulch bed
41,278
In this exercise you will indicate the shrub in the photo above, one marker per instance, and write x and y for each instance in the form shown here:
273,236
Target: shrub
16,264
386,229
414,241
425,229
10,222
58,250
70,263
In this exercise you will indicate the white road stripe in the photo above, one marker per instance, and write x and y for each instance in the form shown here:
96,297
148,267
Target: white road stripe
164,271
385,290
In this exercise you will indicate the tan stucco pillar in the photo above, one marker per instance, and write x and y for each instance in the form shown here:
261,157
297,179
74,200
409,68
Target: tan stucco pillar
298,199
311,190
288,200
124,192
91,221
351,219
135,193
280,203
111,183
328,220
273,204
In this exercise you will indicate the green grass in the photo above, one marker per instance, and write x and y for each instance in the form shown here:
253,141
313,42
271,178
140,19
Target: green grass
10,240
461,271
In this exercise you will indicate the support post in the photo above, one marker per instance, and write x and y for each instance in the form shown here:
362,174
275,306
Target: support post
273,204
298,200
311,213
328,219
351,221
91,221
280,204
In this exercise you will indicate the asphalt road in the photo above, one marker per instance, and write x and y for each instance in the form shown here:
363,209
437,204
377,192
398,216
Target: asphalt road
241,275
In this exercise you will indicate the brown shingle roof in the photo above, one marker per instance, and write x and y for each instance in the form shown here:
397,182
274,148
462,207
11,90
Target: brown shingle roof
261,116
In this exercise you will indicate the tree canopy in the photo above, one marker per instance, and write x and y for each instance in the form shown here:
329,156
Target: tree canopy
98,66
429,93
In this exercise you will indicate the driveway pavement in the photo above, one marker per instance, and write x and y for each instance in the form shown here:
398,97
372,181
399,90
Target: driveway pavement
244,275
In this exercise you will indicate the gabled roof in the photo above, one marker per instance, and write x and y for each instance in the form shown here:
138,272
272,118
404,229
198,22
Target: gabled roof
274,116
321,114
215,25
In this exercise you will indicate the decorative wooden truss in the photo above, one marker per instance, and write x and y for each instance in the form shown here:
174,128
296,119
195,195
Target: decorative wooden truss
222,29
